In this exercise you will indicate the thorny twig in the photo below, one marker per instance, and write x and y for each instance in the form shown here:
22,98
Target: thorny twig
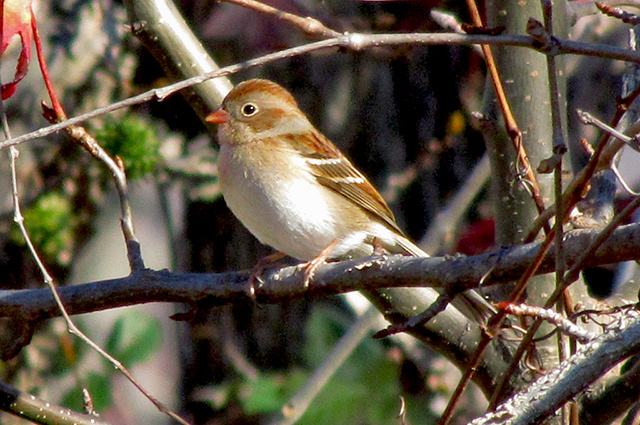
570,276
564,324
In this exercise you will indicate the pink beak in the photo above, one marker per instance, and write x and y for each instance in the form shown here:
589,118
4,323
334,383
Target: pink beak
219,116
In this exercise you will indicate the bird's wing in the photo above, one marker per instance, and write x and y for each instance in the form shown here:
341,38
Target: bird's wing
335,171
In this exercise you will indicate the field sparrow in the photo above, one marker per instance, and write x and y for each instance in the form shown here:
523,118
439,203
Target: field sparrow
293,189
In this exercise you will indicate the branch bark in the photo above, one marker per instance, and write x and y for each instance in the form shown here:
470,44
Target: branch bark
542,398
365,274
330,279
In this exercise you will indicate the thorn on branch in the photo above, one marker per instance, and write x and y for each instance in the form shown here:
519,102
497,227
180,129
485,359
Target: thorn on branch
120,163
87,402
138,27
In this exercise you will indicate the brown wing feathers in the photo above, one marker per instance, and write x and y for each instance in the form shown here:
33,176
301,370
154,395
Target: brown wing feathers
333,170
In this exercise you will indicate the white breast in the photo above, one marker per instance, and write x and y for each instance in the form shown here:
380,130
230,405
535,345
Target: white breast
288,211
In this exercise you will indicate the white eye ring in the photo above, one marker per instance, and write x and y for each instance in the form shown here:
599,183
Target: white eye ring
249,109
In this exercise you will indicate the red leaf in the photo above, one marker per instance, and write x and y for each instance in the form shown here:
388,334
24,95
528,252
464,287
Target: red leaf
17,20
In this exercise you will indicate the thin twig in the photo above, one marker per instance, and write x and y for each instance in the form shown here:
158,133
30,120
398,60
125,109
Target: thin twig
80,136
623,182
522,160
443,300
564,324
19,219
588,119
72,328
308,25
570,277
559,149
352,41
513,298
116,168
466,377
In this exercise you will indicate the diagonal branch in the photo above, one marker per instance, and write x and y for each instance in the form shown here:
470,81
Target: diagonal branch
541,399
33,409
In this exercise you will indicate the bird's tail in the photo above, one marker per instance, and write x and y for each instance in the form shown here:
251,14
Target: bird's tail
470,302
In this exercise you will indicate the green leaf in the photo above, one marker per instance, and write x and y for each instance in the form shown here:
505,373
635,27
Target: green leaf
324,330
134,140
269,392
264,395
366,388
66,351
133,337
49,222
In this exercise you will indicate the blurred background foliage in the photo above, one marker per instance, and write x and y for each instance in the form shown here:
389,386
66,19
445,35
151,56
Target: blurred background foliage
403,115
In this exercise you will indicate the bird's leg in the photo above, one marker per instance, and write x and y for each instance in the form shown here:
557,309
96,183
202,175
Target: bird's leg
311,266
378,249
259,268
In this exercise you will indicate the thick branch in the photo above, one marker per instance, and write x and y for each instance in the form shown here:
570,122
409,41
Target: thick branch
615,400
542,398
38,411
364,274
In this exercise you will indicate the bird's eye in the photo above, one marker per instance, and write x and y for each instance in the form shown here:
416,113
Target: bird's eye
249,109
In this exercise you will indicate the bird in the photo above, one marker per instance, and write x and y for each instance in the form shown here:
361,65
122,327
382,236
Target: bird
294,190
